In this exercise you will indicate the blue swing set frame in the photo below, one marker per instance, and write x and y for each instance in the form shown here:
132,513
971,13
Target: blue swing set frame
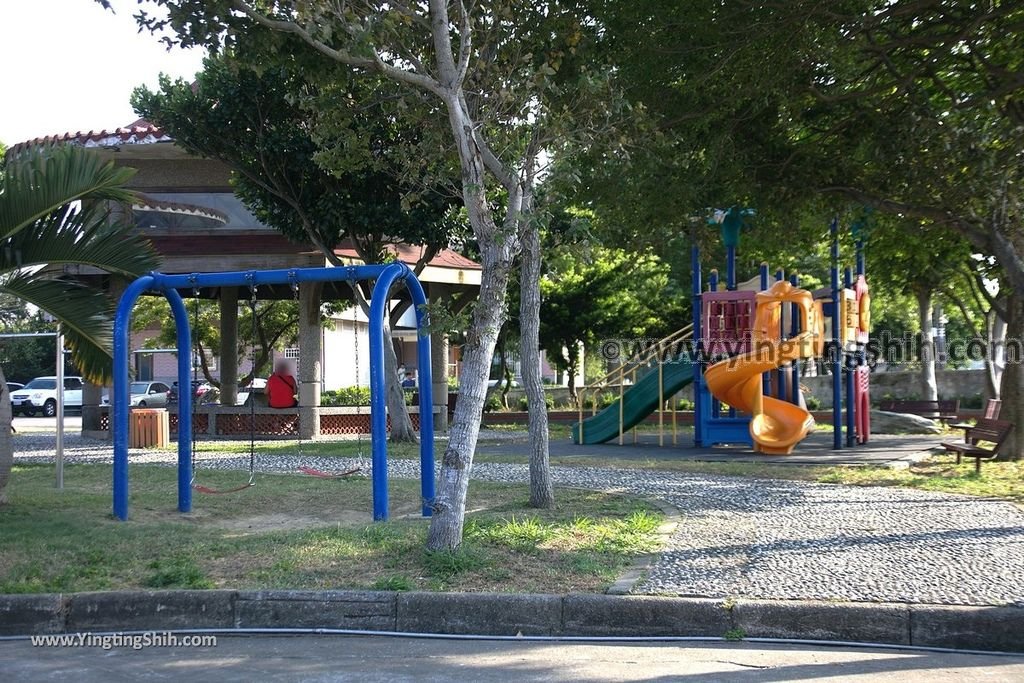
384,277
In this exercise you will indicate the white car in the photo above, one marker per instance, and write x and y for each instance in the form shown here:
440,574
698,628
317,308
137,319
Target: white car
40,396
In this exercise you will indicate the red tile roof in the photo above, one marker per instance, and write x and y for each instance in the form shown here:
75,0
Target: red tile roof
273,243
145,133
446,258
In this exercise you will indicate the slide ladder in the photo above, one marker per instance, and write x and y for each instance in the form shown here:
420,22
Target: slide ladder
640,389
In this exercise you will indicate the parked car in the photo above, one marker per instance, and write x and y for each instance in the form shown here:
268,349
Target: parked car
148,394
199,389
14,386
40,396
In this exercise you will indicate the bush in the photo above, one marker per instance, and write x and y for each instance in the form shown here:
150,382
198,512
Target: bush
813,402
348,396
973,402
549,401
685,404
493,403
603,400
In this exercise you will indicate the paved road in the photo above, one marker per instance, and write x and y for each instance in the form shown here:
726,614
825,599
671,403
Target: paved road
367,659
72,424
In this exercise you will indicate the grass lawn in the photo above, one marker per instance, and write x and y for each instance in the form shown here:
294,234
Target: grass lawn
300,532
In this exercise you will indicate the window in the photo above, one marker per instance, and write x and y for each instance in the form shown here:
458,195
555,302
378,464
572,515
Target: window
72,383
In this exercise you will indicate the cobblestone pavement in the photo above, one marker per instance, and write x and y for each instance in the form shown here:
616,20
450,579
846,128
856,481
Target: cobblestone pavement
760,538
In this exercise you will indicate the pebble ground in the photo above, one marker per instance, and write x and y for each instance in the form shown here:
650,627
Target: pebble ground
755,538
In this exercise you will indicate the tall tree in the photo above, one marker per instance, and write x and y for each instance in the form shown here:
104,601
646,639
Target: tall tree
914,108
608,294
276,327
254,122
53,211
510,79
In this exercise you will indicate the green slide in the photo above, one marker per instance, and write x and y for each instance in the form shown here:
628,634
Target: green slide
639,401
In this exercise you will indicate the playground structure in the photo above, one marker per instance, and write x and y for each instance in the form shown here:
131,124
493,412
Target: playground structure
384,277
749,340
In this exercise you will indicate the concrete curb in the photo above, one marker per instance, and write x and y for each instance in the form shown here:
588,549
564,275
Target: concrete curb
962,627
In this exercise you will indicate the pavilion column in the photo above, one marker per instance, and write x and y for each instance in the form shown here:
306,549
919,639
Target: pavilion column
92,394
228,346
310,353
439,372
92,397
439,364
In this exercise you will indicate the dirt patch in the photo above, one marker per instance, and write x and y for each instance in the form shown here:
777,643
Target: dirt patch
281,521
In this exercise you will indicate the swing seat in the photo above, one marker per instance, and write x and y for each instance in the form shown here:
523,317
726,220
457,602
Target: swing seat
206,489
313,472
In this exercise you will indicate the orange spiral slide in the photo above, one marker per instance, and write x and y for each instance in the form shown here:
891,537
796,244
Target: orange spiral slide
777,426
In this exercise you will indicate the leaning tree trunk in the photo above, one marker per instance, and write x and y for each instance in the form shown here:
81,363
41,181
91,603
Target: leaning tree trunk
498,247
401,424
6,443
1012,388
542,493
450,504
929,386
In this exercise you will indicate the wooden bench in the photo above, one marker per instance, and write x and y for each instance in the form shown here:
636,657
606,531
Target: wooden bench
992,409
933,410
992,432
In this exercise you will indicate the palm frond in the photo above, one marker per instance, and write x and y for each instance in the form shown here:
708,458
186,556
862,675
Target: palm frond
79,235
43,178
85,315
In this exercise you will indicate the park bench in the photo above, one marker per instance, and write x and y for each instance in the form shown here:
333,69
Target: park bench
992,432
933,410
992,409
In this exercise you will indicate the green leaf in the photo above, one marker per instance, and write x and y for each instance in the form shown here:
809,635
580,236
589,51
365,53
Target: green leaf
41,179
84,313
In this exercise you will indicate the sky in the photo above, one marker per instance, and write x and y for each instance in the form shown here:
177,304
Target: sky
70,65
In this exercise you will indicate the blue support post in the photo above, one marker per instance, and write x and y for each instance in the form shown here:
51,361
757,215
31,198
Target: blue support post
119,404
426,390
184,339
713,287
837,359
385,276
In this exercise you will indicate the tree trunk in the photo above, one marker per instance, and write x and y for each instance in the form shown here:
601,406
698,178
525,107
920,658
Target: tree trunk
572,369
1012,388
6,443
542,493
450,504
504,383
995,360
929,386
401,424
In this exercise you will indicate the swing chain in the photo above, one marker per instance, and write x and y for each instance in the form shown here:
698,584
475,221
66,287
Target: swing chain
195,375
252,384
359,396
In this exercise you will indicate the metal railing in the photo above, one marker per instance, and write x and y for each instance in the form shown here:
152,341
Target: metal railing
629,370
